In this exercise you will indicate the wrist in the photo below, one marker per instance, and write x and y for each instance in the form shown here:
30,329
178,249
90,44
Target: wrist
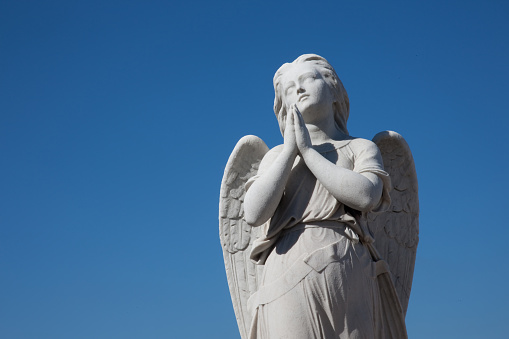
304,151
290,150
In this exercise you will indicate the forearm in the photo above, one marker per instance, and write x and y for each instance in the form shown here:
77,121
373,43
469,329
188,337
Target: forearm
361,192
265,193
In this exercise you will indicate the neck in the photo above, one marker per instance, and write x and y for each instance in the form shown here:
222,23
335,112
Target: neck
324,131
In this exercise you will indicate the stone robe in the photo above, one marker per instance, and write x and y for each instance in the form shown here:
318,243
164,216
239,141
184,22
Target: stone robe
319,280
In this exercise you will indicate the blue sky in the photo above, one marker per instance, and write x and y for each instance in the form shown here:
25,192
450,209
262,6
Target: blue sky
117,119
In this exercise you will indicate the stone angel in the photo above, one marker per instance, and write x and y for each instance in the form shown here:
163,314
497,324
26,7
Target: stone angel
319,238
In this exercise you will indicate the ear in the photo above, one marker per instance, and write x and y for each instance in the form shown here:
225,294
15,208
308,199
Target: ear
282,121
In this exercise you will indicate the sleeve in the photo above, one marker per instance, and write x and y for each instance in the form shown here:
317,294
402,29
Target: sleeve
368,159
267,160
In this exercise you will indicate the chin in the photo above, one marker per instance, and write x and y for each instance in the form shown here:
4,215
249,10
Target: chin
306,105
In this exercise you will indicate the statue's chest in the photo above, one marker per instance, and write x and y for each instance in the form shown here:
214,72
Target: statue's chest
340,157
302,178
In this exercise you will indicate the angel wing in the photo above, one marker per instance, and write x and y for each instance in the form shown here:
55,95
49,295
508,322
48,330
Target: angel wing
235,234
396,231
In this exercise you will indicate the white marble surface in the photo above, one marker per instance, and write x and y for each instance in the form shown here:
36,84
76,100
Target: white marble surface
307,212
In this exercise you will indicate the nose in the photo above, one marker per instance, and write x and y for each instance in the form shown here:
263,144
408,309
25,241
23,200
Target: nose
300,89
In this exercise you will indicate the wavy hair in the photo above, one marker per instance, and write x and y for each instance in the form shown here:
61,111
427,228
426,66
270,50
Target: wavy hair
341,105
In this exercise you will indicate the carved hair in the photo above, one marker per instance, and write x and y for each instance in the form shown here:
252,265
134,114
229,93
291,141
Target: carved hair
341,104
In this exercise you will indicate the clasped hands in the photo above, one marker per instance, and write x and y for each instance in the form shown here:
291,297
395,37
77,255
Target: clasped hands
296,134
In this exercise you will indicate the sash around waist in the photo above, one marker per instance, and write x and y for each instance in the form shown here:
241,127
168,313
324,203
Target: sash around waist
340,227
263,245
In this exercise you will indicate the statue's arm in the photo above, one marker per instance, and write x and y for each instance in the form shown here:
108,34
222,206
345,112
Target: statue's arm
264,195
361,191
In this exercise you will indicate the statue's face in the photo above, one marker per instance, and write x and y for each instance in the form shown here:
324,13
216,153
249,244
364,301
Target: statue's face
303,85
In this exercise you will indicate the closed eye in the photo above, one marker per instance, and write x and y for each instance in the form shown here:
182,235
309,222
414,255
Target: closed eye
289,88
307,76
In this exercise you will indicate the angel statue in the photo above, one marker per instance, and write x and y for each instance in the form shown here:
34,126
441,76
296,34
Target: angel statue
319,238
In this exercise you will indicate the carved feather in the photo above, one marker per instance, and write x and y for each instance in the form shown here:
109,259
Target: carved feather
396,231
235,234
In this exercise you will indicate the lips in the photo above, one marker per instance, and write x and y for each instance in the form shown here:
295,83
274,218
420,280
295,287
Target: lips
302,97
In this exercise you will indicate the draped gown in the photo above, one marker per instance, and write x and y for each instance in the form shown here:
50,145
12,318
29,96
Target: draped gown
319,280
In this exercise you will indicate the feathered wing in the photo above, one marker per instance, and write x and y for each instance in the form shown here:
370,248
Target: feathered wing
396,231
235,234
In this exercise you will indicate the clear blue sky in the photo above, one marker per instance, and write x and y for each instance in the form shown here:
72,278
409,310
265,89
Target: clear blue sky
117,119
